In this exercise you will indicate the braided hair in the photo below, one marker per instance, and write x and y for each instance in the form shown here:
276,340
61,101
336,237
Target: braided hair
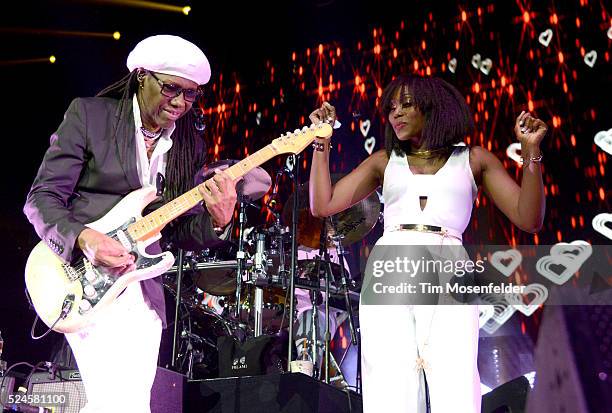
188,151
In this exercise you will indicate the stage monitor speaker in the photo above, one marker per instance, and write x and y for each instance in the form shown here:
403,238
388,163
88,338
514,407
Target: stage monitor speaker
166,394
8,387
65,382
510,397
270,393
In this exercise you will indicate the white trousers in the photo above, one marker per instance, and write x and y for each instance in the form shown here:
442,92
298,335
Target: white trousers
117,356
393,337
443,337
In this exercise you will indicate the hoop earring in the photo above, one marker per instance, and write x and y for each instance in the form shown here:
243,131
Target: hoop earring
141,77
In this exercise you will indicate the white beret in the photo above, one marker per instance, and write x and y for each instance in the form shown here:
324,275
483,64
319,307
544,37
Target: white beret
170,55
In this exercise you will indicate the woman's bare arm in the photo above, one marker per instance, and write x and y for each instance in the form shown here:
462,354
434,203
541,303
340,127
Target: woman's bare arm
524,205
325,199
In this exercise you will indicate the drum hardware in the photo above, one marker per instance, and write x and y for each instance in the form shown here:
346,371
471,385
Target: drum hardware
192,355
354,223
252,186
198,349
255,280
294,225
259,271
337,240
179,282
228,264
324,261
240,254
263,259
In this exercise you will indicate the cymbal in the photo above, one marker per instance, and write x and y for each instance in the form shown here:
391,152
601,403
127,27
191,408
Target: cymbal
253,185
350,225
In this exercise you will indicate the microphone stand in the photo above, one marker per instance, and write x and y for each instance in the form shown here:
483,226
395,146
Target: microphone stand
294,228
240,255
328,274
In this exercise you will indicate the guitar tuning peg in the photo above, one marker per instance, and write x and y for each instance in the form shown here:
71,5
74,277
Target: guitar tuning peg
305,129
297,131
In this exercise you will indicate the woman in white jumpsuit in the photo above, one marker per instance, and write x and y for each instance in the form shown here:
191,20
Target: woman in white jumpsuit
430,180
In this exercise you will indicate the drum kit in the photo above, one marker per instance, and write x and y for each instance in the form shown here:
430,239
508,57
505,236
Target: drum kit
244,289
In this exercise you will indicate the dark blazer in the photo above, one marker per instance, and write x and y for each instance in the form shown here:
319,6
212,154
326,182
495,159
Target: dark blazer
84,173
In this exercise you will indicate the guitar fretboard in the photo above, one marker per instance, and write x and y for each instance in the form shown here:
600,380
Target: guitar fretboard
155,221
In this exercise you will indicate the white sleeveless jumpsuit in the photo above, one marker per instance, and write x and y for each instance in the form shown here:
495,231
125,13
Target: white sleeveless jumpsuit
444,336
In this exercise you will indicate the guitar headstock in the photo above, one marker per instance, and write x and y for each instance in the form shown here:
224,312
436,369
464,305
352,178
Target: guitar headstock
297,141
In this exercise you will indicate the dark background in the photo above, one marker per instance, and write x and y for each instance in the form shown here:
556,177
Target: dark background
252,44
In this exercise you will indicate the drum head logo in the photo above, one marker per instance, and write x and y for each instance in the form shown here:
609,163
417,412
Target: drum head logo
239,363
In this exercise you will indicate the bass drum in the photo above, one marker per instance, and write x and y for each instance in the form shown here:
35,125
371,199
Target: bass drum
198,342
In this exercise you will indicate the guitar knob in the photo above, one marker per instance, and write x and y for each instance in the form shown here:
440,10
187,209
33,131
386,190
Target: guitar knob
84,306
89,291
91,276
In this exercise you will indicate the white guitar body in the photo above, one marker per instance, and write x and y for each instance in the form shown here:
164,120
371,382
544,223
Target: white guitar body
55,286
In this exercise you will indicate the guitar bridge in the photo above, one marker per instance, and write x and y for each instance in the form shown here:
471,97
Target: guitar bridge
70,272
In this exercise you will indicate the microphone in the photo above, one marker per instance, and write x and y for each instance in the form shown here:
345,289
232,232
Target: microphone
271,204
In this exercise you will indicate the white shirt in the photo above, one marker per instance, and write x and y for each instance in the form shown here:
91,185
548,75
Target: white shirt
149,168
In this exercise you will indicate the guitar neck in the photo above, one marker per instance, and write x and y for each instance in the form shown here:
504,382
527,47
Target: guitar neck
154,222
151,224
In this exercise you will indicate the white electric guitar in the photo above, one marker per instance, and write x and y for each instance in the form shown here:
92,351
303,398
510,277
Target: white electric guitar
67,296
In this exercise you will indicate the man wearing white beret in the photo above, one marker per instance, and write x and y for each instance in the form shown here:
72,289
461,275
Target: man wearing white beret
137,132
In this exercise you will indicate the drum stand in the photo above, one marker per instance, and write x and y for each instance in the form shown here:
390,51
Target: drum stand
260,265
354,337
192,356
177,306
322,259
190,352
325,260
293,273
345,290
240,255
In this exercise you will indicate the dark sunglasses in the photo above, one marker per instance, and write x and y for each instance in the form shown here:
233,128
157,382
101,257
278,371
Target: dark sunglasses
171,90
